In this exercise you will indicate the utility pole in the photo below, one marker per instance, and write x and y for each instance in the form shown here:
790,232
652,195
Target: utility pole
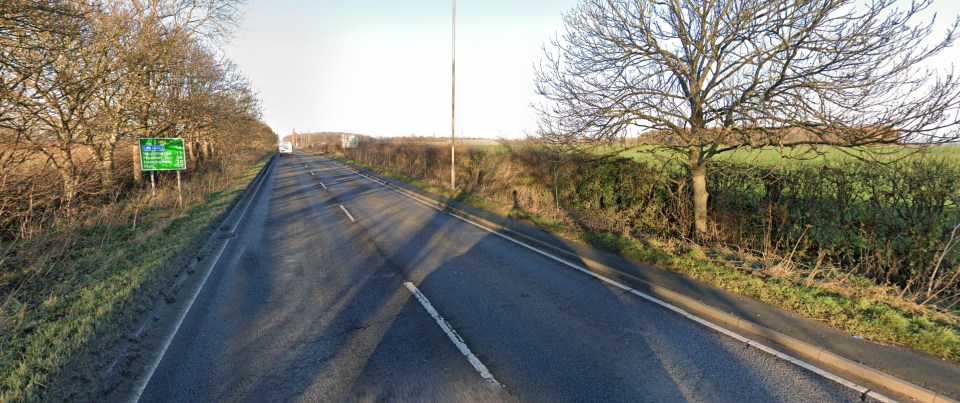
453,98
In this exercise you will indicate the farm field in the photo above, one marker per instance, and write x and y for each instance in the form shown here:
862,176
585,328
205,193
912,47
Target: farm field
804,155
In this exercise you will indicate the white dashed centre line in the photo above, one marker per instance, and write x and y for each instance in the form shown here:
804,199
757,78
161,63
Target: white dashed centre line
347,213
452,334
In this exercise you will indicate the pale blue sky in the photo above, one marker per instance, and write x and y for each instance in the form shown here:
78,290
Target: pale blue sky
382,67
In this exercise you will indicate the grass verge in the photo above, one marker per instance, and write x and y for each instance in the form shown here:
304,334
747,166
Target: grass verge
846,302
91,284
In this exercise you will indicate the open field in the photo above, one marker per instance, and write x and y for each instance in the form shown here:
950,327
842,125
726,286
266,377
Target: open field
805,155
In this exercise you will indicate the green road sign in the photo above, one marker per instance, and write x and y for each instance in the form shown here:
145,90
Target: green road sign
162,154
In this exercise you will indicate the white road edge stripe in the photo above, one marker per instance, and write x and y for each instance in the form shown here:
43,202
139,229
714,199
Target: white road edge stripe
193,297
388,186
183,314
347,213
452,334
796,361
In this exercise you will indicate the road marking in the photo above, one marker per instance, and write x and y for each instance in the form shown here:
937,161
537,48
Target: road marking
452,334
796,361
311,173
347,213
183,314
391,187
324,186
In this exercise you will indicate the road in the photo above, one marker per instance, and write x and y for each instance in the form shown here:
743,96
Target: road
313,301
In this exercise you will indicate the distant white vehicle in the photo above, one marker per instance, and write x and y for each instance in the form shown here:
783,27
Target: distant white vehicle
286,147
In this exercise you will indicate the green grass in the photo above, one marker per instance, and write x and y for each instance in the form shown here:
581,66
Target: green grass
873,317
771,156
87,296
767,156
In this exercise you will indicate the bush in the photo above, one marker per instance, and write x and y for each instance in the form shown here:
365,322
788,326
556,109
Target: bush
890,223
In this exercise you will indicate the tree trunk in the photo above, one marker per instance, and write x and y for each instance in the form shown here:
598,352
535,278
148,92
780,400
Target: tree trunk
204,151
68,174
698,178
137,168
191,150
107,173
66,171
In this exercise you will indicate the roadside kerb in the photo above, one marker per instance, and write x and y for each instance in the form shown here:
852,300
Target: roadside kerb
220,236
807,351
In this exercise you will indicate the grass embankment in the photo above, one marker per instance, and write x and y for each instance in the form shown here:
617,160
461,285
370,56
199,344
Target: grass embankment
843,300
81,289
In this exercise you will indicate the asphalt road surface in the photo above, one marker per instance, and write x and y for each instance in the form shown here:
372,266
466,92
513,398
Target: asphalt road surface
314,301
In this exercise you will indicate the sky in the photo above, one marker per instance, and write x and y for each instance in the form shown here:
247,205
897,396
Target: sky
383,68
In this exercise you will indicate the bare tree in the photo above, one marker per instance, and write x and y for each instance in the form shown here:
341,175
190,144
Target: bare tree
108,57
80,78
149,44
711,76
45,90
208,98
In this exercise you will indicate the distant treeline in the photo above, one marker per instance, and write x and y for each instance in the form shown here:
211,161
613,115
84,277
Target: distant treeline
331,141
81,81
319,140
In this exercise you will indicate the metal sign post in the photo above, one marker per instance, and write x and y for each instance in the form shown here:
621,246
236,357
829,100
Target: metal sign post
179,191
162,154
153,189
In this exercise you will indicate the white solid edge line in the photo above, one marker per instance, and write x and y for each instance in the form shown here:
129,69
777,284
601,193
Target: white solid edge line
166,343
347,213
391,187
169,339
452,334
762,347
796,361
